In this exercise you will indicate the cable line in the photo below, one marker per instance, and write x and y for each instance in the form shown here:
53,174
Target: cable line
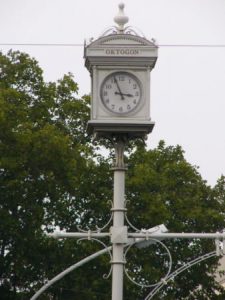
42,44
81,45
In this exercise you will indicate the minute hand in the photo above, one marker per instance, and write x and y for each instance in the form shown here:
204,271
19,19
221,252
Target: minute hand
118,93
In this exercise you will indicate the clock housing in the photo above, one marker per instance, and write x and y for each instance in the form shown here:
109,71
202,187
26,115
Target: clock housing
117,63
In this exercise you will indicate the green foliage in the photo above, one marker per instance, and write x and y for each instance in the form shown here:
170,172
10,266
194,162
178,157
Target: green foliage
43,150
50,175
162,187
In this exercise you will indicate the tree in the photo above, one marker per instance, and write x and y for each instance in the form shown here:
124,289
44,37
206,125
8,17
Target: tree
43,148
51,175
163,187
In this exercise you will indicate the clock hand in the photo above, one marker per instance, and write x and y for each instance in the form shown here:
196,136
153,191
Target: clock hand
127,95
118,93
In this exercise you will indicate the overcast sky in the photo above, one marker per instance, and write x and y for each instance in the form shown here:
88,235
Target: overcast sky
188,83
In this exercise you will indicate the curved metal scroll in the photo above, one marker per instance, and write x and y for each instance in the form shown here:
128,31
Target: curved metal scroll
98,229
177,272
105,276
127,30
163,279
128,221
68,270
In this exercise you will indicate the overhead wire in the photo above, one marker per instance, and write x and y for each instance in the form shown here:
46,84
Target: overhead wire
81,45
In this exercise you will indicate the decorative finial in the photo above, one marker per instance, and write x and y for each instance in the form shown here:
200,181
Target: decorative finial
121,19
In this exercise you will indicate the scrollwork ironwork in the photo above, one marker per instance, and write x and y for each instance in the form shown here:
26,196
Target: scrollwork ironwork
105,276
98,229
177,272
163,279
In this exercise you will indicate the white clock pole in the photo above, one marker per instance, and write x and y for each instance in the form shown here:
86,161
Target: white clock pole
122,52
119,63
118,230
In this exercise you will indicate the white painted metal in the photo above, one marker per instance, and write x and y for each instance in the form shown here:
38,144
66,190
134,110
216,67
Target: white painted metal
89,235
120,18
138,236
169,265
145,242
120,51
118,221
178,271
181,235
68,270
223,246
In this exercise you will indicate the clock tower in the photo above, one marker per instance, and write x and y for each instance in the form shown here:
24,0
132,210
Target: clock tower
120,62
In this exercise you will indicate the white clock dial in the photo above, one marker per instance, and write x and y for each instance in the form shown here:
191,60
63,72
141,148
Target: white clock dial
121,92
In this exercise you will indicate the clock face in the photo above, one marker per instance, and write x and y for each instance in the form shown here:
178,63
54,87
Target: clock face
121,92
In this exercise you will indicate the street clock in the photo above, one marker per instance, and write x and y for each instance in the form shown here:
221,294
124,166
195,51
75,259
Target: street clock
121,93
120,62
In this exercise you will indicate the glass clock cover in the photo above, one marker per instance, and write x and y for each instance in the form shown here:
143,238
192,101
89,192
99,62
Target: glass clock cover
121,92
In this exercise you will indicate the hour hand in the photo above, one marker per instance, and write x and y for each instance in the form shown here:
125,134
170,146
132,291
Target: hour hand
127,95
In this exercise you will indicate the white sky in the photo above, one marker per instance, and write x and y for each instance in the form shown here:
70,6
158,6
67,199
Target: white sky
188,83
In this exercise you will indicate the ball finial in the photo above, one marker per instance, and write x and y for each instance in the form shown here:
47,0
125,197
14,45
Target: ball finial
121,19
121,5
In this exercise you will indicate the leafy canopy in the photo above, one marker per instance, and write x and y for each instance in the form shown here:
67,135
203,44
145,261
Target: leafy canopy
51,175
